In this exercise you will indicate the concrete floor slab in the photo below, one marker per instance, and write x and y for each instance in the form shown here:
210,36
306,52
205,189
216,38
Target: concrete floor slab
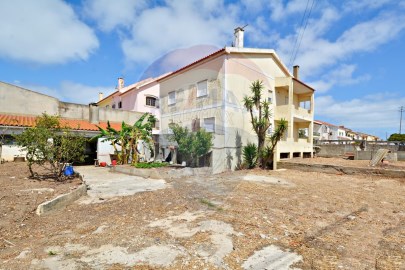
104,185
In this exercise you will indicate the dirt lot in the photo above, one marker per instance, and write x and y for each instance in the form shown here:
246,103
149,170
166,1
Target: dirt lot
321,221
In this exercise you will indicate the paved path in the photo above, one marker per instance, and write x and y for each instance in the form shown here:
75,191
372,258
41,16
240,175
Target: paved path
105,185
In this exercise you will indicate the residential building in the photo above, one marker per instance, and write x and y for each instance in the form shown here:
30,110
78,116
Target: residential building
209,93
327,131
16,115
142,96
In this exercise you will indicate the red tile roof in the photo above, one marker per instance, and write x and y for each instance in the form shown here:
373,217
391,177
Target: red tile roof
29,121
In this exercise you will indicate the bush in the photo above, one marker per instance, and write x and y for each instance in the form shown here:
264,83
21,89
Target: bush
250,155
192,145
146,165
51,145
397,137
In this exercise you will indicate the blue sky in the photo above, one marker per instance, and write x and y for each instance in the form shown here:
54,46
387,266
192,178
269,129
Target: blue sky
352,52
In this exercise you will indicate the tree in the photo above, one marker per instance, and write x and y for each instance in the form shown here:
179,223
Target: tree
191,145
50,146
397,137
268,152
128,137
260,119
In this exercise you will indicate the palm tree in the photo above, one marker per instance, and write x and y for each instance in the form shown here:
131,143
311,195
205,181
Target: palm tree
261,120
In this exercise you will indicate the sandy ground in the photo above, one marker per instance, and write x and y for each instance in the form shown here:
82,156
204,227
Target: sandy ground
242,220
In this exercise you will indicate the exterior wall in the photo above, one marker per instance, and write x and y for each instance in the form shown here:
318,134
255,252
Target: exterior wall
8,152
135,100
241,71
189,107
25,101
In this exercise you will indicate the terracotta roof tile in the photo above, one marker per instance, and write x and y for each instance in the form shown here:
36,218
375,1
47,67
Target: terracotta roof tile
29,121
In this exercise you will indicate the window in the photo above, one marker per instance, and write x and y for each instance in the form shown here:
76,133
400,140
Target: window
202,88
151,101
107,106
172,98
269,99
113,106
209,124
120,105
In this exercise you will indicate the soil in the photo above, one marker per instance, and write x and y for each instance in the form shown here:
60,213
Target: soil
20,196
211,222
394,165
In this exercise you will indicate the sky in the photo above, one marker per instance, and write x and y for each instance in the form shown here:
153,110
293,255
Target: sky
351,51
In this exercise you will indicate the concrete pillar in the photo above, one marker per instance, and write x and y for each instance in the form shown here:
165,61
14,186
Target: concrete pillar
93,113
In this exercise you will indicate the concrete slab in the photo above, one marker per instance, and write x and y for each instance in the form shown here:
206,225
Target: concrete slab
266,179
271,257
105,185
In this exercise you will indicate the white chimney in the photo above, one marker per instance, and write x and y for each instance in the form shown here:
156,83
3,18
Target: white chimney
100,96
238,42
296,70
120,83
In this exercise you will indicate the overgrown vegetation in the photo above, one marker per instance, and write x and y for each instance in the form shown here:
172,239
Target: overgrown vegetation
148,165
191,145
260,119
210,204
50,146
397,137
250,155
128,137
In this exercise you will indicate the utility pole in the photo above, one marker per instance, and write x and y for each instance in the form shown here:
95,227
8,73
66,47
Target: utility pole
401,109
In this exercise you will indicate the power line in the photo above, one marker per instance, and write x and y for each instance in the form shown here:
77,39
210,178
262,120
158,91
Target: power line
299,44
298,34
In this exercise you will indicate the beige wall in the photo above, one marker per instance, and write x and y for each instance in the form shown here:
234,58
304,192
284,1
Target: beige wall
230,77
17,100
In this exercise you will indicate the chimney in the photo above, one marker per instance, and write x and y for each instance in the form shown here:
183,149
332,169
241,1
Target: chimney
100,96
93,113
238,43
296,70
120,83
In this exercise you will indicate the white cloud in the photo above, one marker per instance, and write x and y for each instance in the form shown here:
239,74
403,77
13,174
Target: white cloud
359,5
341,75
379,110
69,91
317,52
44,32
279,11
179,24
110,14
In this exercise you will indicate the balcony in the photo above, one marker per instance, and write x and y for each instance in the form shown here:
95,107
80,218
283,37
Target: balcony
299,114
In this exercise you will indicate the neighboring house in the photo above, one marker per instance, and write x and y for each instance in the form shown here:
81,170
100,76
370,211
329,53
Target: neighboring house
327,131
324,131
209,94
142,96
343,133
16,115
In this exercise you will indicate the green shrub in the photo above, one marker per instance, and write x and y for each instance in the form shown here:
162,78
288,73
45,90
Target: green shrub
250,155
146,165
